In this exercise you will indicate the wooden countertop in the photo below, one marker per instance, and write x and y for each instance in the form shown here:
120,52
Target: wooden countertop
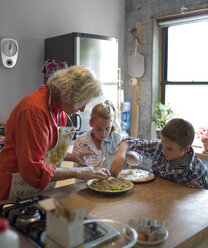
199,153
184,210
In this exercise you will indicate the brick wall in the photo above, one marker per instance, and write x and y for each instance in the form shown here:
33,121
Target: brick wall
144,11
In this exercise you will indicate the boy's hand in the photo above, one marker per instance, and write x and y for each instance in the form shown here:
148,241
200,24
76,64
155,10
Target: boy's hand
117,165
193,184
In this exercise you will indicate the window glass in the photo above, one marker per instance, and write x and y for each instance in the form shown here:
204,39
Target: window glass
187,66
190,103
188,52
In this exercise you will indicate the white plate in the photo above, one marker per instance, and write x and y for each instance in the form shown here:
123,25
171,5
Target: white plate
89,182
136,175
150,243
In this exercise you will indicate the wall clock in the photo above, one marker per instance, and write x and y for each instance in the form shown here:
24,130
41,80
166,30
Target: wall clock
9,52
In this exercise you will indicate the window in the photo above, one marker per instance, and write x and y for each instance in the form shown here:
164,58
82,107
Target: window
185,70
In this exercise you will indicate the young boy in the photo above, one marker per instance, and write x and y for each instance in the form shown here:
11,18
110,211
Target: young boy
172,157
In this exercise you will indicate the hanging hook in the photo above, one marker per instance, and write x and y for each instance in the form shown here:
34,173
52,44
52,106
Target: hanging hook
183,9
133,32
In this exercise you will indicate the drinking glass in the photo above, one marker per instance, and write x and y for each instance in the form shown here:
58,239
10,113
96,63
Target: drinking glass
94,161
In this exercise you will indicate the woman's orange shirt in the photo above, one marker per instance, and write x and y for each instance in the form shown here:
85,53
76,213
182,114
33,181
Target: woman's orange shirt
30,134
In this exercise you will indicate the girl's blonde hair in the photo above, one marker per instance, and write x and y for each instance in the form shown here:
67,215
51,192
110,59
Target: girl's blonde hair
74,83
105,110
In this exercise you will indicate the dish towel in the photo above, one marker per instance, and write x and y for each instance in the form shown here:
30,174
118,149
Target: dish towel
51,66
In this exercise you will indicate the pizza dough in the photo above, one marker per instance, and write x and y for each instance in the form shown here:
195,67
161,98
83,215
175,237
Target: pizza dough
136,175
110,185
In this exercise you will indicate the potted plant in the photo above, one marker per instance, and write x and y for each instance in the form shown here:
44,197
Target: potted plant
203,135
162,113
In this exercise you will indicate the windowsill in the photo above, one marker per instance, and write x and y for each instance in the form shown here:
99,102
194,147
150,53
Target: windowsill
199,153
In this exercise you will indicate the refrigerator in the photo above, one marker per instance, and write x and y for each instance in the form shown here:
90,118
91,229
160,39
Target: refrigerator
96,52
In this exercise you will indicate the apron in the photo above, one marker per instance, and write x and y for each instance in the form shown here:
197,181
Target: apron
54,156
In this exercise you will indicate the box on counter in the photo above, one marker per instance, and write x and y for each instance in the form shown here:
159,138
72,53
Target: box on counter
64,222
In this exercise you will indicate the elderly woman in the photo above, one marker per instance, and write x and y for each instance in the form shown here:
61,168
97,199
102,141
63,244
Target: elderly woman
37,138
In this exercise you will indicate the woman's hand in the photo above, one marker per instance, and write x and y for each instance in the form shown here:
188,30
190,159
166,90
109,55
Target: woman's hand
81,173
77,158
117,165
90,173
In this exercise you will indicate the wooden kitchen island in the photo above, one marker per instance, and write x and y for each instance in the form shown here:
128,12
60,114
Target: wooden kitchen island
184,210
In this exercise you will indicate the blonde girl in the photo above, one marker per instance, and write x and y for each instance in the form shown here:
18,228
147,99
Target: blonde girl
104,137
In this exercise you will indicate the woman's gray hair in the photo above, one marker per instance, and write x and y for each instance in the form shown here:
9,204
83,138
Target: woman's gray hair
74,83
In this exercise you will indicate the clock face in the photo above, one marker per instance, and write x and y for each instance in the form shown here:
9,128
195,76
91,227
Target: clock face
9,52
9,47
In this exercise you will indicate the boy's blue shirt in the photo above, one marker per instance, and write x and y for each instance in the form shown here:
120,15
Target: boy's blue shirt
192,169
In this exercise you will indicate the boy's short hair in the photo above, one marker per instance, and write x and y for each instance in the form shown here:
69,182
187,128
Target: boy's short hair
179,131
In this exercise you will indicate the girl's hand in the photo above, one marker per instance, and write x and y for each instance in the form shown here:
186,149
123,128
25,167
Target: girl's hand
117,165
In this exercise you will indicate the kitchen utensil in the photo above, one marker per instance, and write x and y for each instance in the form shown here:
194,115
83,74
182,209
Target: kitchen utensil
136,63
133,159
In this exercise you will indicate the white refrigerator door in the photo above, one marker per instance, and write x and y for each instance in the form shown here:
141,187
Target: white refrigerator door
101,57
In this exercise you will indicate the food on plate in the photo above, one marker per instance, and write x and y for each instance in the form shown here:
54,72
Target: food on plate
110,185
136,175
142,236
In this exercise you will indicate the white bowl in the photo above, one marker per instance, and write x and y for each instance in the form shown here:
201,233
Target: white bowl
115,231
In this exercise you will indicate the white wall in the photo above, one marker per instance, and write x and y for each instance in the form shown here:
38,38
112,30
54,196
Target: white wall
30,22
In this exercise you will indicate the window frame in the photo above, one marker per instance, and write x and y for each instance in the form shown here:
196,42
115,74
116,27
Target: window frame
164,67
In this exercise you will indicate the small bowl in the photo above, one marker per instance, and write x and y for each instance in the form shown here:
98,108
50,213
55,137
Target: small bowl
94,161
136,225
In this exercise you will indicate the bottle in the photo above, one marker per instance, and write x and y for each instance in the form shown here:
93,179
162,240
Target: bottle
125,115
8,237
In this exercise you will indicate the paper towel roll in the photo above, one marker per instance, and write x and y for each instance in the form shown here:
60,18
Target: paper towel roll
133,81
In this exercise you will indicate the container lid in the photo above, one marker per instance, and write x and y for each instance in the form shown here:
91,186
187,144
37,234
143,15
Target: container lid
4,224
